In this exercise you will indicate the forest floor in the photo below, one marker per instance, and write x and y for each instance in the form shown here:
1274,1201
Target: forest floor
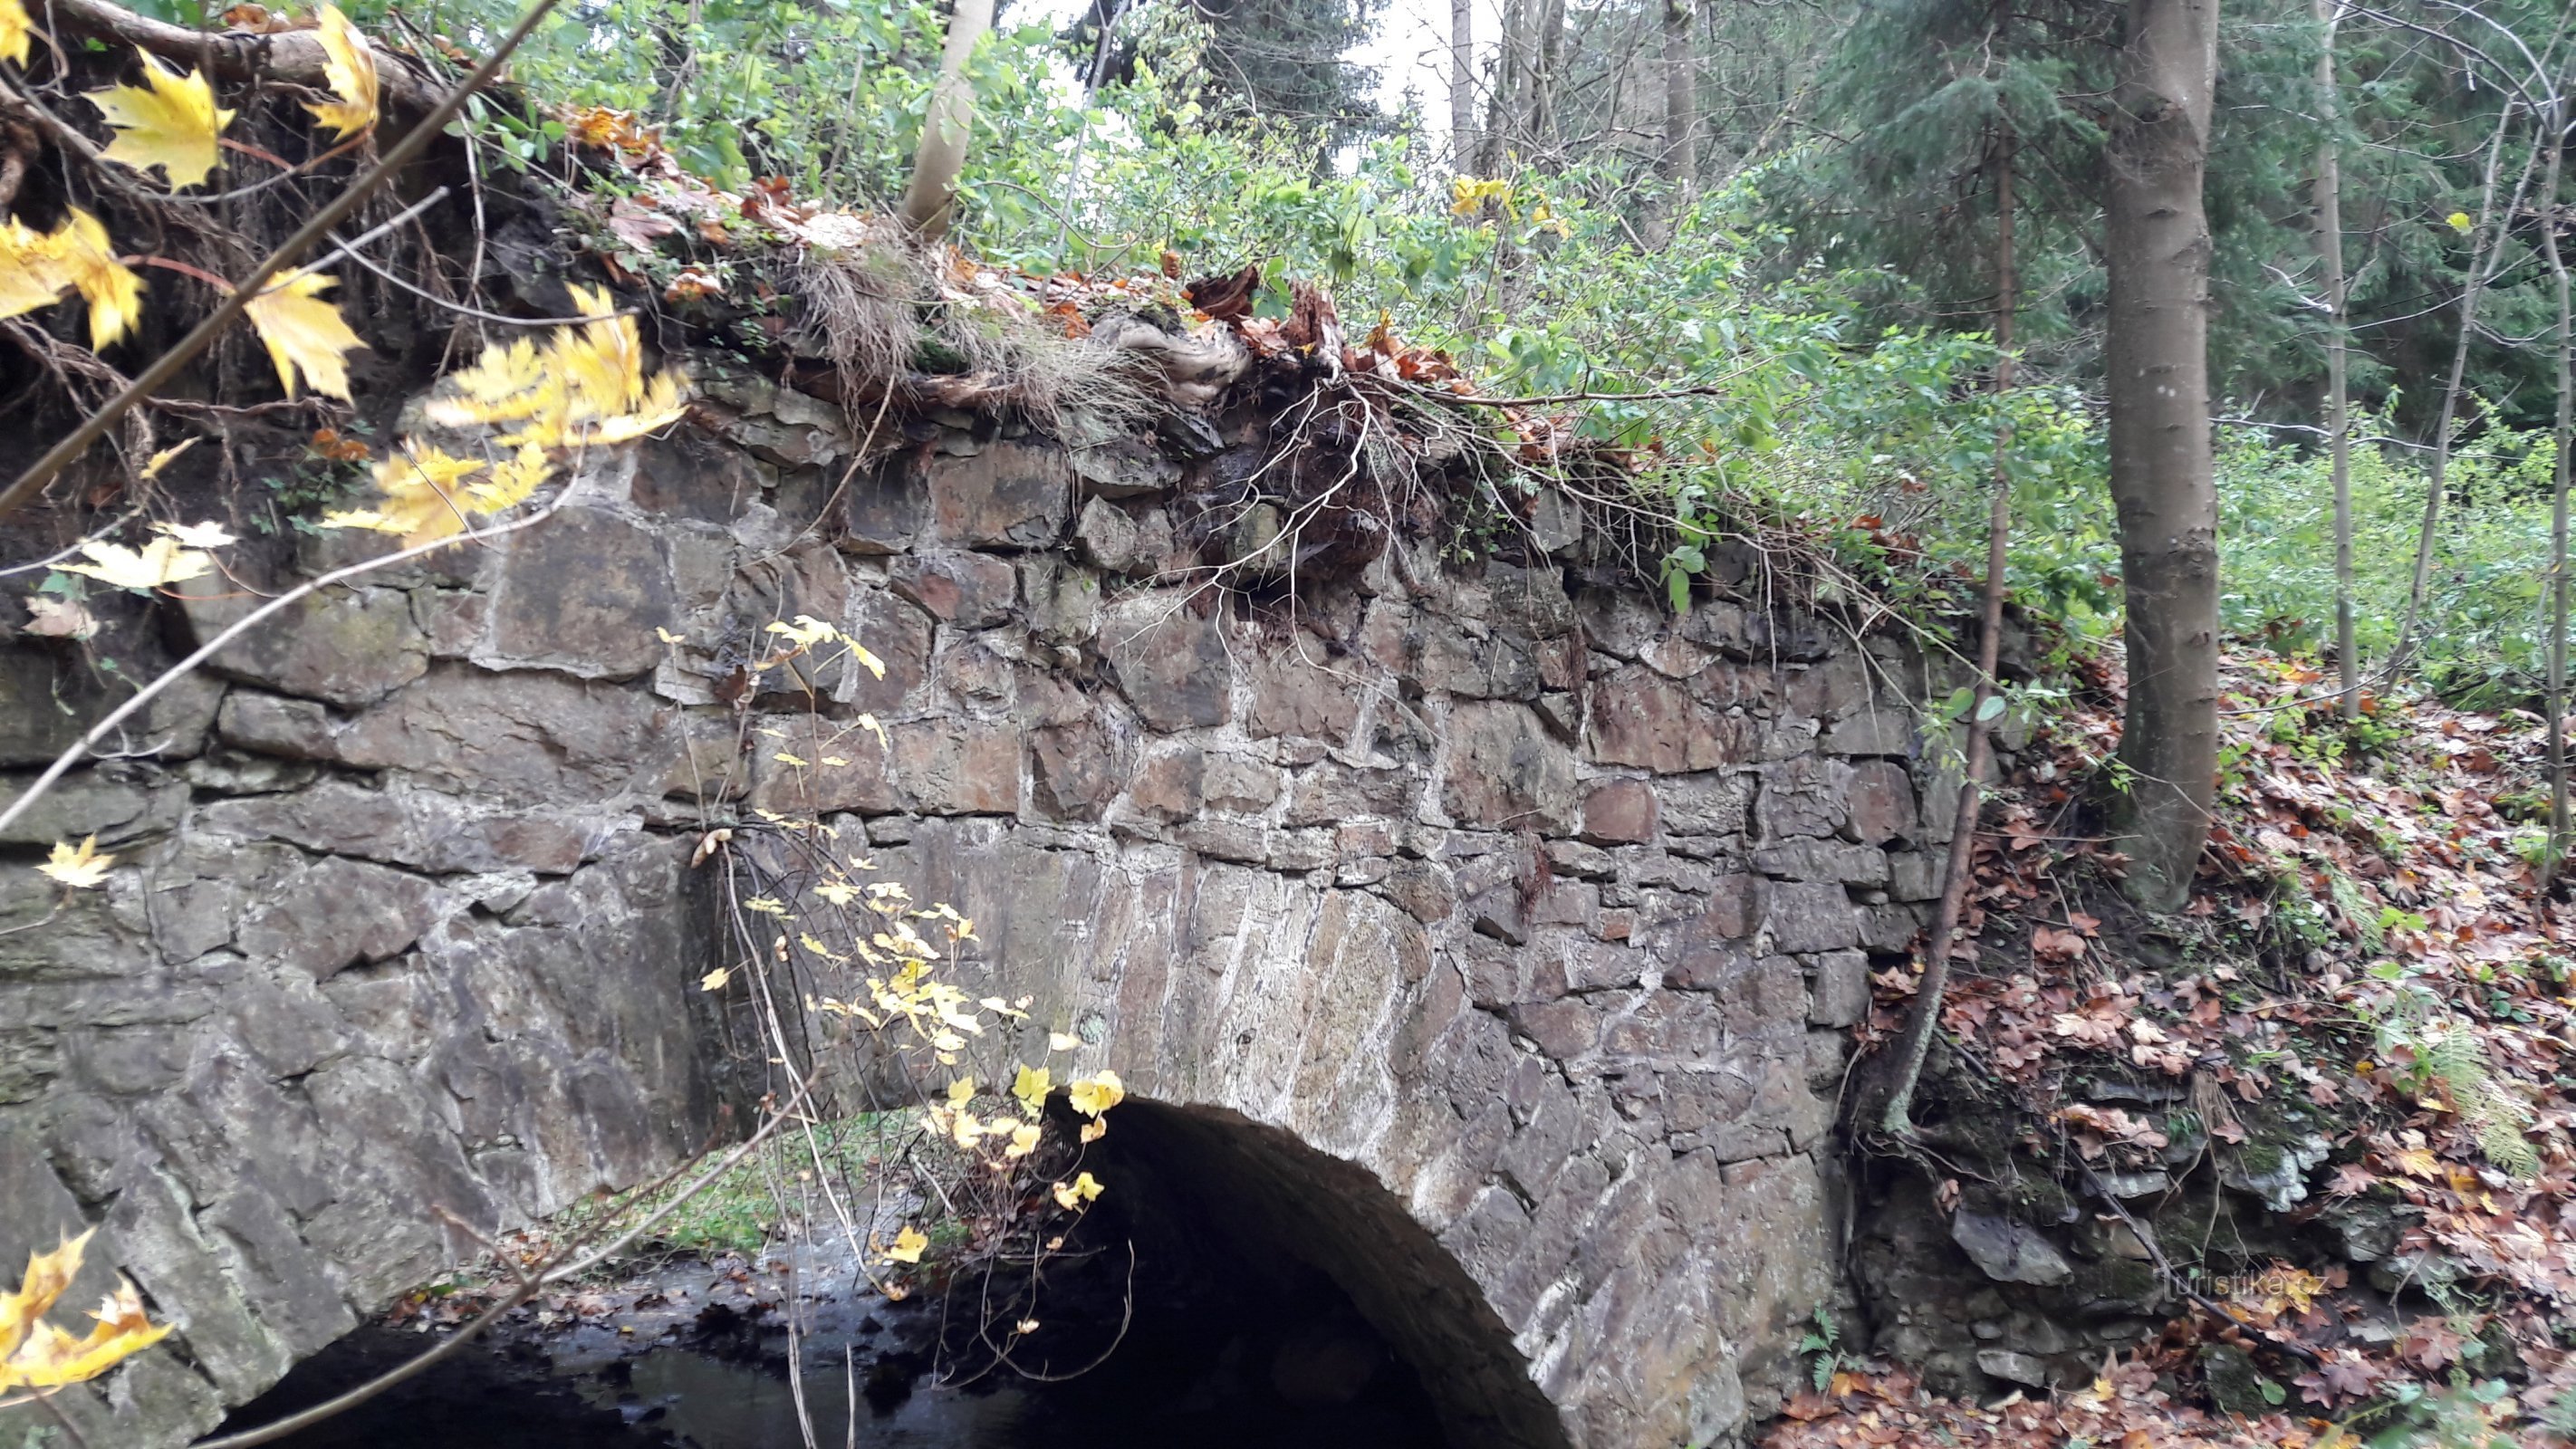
2370,940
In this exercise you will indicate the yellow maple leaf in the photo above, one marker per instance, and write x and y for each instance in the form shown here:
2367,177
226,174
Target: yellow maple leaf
351,70
37,267
48,1275
1094,1130
1058,1041
35,1354
1084,1188
715,980
1024,1140
908,1246
162,561
585,384
82,867
169,121
1031,1087
15,32
1097,1093
305,333
513,480
420,488
2459,221
208,534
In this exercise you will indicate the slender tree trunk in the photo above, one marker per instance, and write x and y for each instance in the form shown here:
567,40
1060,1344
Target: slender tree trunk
2471,285
2554,855
1959,871
2338,401
1681,104
929,203
1511,67
1462,86
2157,247
1547,77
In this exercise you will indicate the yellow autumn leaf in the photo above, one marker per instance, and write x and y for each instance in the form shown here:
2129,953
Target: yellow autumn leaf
305,333
965,1130
512,481
36,267
169,121
585,384
1024,1140
1083,1189
2459,221
350,67
15,32
421,496
1031,1087
35,1354
961,1091
1097,1093
908,1246
113,291
208,534
838,892
154,467
162,561
807,630
81,866
1094,1130
1058,1041
715,980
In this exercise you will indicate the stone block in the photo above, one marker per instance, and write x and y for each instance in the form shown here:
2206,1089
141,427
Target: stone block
1124,467
684,473
1073,772
1802,797
1505,770
1008,495
1880,731
1169,662
1109,537
968,590
1823,860
1619,812
1838,989
1882,804
2009,1251
1804,918
1235,783
1170,784
340,913
1563,1030
1423,890
1718,804
1063,599
1641,718
350,647
1301,697
296,728
884,512
1915,875
1332,792
958,766
581,592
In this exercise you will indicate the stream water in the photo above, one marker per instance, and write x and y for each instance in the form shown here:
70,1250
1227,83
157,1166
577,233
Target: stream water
1187,1347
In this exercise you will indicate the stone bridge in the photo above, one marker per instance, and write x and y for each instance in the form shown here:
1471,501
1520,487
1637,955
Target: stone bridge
1490,924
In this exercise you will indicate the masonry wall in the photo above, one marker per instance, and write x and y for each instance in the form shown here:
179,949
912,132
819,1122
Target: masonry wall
1538,907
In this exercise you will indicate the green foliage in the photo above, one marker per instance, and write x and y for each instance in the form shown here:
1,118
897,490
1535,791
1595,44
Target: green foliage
2438,1047
2485,636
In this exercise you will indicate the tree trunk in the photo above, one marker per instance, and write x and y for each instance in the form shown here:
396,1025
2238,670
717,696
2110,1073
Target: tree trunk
2157,249
1547,76
929,203
1462,85
1511,66
1681,105
2338,401
1959,872
2470,286
2553,856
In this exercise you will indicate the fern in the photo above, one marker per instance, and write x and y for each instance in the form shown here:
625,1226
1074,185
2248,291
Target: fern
2450,1053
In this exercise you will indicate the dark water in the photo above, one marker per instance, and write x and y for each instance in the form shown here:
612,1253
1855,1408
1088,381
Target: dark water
1198,1343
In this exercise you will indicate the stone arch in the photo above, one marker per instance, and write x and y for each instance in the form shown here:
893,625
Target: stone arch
1339,1219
